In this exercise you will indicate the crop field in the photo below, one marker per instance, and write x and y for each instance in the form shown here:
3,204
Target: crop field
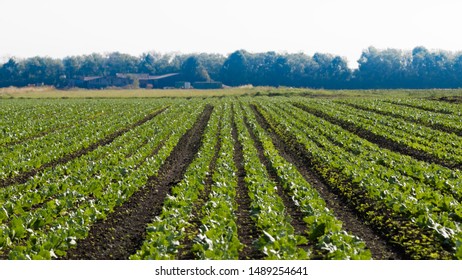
223,178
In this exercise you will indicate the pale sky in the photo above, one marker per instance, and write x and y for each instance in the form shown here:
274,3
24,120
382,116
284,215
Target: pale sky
59,28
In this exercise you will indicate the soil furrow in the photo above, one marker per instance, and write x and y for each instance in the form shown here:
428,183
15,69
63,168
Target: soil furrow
294,212
449,99
185,252
23,177
123,231
246,228
351,221
381,141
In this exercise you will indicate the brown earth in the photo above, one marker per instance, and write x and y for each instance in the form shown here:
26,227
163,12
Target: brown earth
450,99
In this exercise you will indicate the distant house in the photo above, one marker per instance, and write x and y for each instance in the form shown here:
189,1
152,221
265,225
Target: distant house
161,81
135,80
125,80
94,82
99,82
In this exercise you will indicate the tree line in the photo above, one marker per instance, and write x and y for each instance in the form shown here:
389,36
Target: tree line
387,68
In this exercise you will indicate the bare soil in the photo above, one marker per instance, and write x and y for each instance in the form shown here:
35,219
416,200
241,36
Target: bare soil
451,99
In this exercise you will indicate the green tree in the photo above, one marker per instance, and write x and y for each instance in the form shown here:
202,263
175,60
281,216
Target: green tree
121,63
147,64
10,73
235,69
91,65
193,71
212,63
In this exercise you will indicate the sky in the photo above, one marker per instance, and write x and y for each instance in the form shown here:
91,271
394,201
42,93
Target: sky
60,28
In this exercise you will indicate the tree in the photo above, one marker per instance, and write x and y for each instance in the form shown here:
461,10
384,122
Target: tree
43,70
10,73
193,71
92,65
72,66
235,69
147,64
383,69
457,71
297,64
261,66
279,72
212,63
433,69
121,63
321,71
339,73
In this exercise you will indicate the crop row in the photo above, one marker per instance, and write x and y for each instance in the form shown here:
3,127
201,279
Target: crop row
37,152
442,121
86,189
166,233
20,122
217,236
323,229
412,214
440,178
277,239
429,105
441,145
415,205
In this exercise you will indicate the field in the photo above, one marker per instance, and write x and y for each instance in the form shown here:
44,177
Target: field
258,174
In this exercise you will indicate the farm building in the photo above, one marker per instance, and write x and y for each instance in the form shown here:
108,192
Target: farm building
126,80
161,81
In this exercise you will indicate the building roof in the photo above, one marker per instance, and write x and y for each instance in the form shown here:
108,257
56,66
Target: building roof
144,76
91,78
162,76
140,77
131,76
